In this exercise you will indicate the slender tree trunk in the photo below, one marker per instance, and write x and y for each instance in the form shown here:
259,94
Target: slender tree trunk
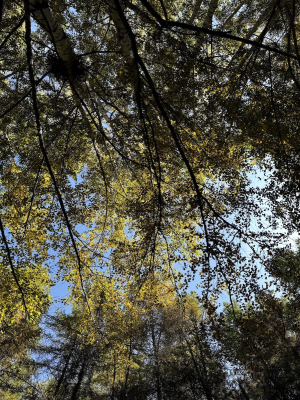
114,380
76,389
61,378
46,19
127,372
202,380
156,364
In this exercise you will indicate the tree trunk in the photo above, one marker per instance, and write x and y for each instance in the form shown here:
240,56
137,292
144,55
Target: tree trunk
156,364
76,389
46,19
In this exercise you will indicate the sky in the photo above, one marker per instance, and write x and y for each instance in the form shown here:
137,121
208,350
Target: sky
258,179
60,290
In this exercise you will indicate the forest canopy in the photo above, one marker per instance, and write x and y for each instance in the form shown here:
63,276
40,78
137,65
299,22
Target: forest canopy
149,160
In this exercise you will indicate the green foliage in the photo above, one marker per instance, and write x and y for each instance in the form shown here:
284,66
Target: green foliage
263,342
147,351
129,135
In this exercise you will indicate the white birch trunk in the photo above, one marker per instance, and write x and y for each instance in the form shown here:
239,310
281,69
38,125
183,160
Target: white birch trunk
46,19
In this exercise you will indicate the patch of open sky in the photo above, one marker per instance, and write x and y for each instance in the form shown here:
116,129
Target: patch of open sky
59,292
259,179
262,222
34,25
73,182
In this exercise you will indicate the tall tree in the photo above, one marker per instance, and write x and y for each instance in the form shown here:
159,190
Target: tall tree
148,115
129,134
263,342
150,344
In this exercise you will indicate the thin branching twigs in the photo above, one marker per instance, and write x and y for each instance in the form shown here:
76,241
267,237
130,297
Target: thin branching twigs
182,25
32,196
169,124
14,29
37,82
12,268
43,149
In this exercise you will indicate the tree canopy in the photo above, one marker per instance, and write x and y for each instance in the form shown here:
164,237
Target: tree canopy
146,145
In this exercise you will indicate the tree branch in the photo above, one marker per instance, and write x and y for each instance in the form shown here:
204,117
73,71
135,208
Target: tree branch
13,269
182,25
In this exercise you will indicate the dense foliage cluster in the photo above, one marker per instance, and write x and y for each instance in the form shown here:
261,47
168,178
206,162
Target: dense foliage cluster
145,146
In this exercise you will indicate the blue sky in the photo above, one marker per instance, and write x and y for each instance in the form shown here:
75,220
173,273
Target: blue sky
258,179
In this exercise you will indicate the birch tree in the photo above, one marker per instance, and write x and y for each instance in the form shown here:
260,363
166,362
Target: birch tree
129,135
